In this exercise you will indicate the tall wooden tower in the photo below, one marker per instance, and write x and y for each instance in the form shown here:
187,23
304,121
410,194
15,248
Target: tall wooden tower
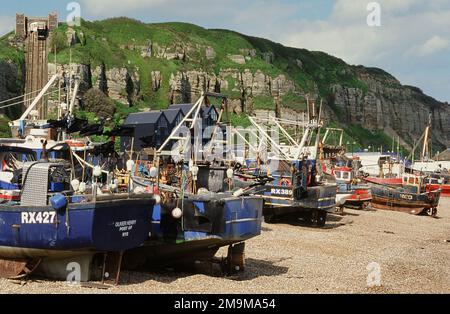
36,33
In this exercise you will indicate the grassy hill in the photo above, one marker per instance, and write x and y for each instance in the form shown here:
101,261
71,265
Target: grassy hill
118,42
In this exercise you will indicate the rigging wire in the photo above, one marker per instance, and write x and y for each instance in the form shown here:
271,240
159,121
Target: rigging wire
22,101
17,97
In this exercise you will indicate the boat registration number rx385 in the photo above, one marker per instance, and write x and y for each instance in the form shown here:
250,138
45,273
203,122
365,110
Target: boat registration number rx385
281,192
46,217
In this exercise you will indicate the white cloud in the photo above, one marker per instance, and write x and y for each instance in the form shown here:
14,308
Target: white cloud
7,24
433,45
404,25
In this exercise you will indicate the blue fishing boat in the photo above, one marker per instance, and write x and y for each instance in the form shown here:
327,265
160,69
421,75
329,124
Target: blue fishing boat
49,224
296,189
205,226
189,227
200,211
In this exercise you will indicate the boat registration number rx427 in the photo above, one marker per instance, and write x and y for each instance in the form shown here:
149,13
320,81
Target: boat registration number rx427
45,217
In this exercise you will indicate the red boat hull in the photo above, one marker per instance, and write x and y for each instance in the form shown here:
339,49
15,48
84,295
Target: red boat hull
445,189
359,199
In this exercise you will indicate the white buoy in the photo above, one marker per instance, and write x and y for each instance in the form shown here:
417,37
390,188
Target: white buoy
153,172
230,173
157,198
99,190
194,171
75,183
112,187
130,165
82,187
202,191
238,193
177,213
97,171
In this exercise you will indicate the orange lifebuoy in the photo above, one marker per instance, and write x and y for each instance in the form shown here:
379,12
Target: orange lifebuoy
285,182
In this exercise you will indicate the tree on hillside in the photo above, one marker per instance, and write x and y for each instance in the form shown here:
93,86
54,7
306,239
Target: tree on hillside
97,102
4,127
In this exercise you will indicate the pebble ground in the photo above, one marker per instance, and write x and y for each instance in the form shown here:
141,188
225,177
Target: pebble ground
411,252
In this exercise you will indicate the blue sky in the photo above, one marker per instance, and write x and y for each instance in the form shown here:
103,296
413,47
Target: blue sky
412,43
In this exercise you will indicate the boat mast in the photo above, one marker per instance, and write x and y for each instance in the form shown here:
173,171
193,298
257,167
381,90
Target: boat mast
425,149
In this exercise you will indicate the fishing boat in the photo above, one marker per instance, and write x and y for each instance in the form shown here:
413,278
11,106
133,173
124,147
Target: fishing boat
52,218
441,181
297,189
199,211
435,177
335,165
355,195
49,223
188,227
411,197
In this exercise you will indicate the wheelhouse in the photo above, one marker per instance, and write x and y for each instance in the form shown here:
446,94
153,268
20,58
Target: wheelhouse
343,174
415,183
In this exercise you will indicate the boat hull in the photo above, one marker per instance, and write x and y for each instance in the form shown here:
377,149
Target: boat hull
397,199
206,226
445,189
359,198
102,226
321,197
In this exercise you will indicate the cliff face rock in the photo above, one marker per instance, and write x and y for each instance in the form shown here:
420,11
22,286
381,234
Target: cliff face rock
82,71
389,106
210,53
187,86
10,84
258,83
239,59
119,84
8,79
175,51
156,80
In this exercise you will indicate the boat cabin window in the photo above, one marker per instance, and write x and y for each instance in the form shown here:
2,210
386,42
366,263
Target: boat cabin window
345,175
411,180
337,174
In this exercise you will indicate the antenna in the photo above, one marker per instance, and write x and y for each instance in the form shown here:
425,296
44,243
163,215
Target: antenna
69,91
